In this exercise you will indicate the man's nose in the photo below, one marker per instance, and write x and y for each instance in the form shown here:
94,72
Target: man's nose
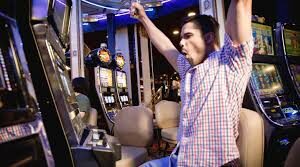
181,44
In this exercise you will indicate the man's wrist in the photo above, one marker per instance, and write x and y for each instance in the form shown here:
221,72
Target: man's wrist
144,19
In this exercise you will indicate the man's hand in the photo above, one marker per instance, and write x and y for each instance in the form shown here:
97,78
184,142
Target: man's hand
137,11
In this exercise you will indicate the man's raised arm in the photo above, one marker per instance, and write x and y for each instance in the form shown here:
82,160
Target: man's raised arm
238,23
158,38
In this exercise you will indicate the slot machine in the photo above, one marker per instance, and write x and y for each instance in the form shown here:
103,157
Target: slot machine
100,65
288,39
269,94
45,34
23,139
121,81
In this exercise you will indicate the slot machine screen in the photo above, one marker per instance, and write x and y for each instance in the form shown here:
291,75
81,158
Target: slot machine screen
106,77
263,39
292,42
61,16
296,73
121,79
64,82
266,79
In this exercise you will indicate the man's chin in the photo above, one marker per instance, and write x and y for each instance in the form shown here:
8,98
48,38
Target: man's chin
191,61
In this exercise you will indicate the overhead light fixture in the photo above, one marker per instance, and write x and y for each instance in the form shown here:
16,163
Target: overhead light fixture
190,14
95,18
175,32
117,6
98,5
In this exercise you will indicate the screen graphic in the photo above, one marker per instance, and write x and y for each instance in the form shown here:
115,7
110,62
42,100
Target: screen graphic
106,77
263,39
266,79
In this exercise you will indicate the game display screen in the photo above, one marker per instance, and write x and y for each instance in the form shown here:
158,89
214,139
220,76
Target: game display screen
292,42
266,80
106,77
263,39
61,16
296,74
121,79
64,82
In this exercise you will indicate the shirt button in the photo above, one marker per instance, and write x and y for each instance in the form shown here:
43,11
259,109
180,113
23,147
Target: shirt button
180,157
184,140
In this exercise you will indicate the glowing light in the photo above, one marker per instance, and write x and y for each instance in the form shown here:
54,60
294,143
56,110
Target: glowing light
276,87
269,69
100,17
190,14
165,1
175,32
61,2
116,9
97,5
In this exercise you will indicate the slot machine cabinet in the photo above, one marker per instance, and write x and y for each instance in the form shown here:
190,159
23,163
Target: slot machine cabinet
288,40
121,81
269,94
100,65
46,38
23,140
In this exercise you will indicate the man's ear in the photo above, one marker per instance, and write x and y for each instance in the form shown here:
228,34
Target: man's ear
209,38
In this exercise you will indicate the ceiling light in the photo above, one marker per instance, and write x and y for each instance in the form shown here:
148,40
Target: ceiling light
175,32
190,14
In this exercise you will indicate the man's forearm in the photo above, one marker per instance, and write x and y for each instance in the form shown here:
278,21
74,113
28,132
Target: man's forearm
161,42
238,23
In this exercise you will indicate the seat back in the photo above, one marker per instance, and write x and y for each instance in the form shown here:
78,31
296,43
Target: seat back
167,114
92,118
134,126
251,138
293,159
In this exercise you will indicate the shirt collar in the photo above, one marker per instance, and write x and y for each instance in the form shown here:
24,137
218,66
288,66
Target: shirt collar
192,68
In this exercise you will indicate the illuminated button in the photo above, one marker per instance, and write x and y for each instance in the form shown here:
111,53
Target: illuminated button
100,143
112,99
95,136
273,110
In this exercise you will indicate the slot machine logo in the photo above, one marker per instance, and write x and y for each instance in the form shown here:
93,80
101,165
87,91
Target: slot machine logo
120,61
104,56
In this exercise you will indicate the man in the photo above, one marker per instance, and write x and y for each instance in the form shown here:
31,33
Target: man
213,82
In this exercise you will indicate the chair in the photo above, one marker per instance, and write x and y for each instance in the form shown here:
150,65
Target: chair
251,138
92,117
134,130
167,119
293,159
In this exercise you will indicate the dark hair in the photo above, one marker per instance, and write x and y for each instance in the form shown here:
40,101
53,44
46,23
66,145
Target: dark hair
206,24
80,85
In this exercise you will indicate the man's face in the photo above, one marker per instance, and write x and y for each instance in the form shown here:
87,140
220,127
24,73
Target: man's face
192,43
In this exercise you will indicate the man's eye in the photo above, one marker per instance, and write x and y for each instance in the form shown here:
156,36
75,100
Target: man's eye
187,36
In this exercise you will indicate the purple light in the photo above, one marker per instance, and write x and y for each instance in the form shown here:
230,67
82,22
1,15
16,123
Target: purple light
125,12
61,2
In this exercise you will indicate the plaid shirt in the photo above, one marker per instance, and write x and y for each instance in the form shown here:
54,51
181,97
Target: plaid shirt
212,94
